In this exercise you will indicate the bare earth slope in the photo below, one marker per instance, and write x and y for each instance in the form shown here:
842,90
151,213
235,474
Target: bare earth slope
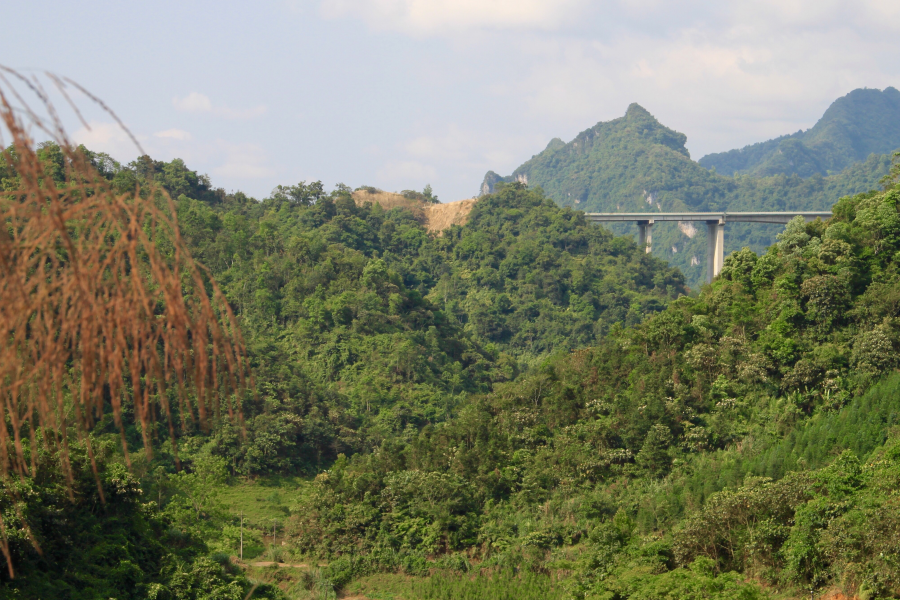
435,217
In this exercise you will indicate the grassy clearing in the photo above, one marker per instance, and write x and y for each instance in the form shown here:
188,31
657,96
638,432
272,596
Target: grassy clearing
262,500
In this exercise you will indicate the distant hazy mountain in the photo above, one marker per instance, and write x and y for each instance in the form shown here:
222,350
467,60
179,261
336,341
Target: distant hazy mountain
635,163
864,122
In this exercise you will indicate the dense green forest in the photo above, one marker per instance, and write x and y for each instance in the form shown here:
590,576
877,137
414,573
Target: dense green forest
611,461
362,325
636,164
524,406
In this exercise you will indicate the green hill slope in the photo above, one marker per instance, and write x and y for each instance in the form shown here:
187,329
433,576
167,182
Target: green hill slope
745,435
635,163
864,122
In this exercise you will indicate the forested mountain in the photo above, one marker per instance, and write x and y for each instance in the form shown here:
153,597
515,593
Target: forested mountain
366,326
524,406
610,462
636,164
864,122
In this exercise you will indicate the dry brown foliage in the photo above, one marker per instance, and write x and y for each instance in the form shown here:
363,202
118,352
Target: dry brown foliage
102,308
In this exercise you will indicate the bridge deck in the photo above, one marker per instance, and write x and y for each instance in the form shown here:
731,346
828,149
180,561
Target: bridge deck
724,217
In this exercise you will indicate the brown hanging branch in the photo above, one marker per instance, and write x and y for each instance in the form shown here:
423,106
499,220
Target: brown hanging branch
101,305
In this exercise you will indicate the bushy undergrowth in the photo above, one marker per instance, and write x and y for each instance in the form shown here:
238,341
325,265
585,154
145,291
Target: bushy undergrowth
68,543
499,585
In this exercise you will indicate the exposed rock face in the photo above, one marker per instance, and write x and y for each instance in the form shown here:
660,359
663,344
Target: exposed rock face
487,185
687,228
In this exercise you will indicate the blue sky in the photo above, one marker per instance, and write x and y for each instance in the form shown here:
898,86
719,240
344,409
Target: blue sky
400,93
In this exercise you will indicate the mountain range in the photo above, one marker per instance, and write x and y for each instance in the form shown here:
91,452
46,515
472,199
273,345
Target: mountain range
637,164
864,122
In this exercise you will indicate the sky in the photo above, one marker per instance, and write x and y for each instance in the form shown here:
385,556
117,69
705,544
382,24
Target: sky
398,94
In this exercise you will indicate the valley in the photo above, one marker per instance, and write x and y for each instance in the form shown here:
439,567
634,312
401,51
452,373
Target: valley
494,398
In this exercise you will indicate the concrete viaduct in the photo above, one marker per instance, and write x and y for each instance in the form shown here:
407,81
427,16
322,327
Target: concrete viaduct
715,224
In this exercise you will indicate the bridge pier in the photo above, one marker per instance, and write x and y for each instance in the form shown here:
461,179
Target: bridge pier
715,249
645,235
715,223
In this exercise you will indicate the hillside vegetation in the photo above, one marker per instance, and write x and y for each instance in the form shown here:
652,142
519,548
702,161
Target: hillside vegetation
636,164
361,324
735,435
523,406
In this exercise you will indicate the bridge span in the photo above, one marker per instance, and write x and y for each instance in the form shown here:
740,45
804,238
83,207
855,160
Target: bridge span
715,226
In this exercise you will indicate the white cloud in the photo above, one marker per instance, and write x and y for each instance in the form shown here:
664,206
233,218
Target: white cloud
402,173
243,161
174,134
725,73
884,12
423,17
200,103
193,102
811,15
109,138
473,148
231,161
727,76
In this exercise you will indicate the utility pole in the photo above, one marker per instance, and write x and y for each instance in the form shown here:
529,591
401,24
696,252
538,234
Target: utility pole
242,535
